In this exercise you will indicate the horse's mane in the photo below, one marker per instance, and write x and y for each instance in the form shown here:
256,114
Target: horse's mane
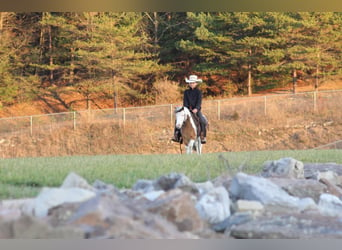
179,109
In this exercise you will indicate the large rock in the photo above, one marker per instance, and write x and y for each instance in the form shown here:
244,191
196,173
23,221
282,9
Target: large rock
214,206
311,169
301,188
28,227
178,207
171,181
330,205
284,167
51,197
331,188
106,216
249,187
289,226
73,180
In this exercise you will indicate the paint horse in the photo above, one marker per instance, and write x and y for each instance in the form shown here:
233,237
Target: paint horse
189,130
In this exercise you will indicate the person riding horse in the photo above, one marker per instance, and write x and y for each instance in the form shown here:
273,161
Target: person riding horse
192,99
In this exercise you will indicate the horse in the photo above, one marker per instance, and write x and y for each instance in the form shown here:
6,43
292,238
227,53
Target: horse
189,130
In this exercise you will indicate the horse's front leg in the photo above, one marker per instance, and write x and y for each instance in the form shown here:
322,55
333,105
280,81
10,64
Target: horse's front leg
190,146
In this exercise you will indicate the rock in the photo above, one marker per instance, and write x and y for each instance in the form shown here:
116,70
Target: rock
28,227
289,226
178,207
106,216
144,186
100,186
242,206
330,205
73,180
301,188
51,197
171,181
311,169
214,206
231,221
331,188
330,176
18,205
153,195
285,167
256,188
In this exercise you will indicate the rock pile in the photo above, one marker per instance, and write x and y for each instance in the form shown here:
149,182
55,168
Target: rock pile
288,199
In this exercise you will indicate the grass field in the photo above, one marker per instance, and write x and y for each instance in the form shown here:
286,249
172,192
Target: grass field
24,177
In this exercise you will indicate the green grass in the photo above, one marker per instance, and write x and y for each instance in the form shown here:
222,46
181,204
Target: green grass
24,177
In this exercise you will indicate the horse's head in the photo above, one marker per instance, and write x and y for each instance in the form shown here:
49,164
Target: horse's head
181,115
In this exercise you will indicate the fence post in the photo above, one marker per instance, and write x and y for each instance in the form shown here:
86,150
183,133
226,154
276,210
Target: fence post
265,105
315,101
74,120
31,125
218,110
124,116
171,114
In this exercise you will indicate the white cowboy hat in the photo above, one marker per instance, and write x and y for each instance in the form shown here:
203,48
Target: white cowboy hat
193,78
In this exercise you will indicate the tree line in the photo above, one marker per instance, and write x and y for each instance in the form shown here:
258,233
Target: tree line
127,52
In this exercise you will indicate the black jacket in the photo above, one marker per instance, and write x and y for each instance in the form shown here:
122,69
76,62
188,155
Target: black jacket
192,99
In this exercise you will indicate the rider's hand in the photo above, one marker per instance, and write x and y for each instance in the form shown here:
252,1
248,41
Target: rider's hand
194,111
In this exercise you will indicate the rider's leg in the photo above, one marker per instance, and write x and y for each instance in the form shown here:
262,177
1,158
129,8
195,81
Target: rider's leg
176,135
203,123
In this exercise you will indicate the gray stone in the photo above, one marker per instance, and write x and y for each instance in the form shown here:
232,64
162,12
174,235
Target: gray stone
284,167
289,226
214,206
73,180
330,205
249,187
301,188
51,197
178,207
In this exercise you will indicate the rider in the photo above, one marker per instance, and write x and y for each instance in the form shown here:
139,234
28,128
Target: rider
192,99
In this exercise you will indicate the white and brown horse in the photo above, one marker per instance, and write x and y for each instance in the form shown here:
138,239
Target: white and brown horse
189,130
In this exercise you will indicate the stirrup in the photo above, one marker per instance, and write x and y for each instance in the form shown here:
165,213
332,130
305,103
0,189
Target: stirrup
174,139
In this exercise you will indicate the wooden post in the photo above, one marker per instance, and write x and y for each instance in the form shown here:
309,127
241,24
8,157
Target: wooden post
265,105
124,116
31,125
171,114
315,101
74,120
218,110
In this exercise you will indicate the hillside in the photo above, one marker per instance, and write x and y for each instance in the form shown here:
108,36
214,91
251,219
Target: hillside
154,138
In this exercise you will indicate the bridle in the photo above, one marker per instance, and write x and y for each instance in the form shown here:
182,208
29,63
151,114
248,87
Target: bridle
185,115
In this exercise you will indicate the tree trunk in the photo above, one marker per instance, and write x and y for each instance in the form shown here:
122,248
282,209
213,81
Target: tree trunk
249,84
114,91
317,74
50,50
72,66
156,24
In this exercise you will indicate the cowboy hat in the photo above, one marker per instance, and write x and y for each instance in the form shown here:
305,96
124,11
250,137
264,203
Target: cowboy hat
193,78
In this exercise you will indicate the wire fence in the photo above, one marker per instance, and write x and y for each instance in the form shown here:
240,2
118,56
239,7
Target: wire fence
285,109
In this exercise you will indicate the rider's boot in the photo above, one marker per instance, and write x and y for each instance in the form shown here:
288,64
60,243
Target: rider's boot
175,137
203,137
